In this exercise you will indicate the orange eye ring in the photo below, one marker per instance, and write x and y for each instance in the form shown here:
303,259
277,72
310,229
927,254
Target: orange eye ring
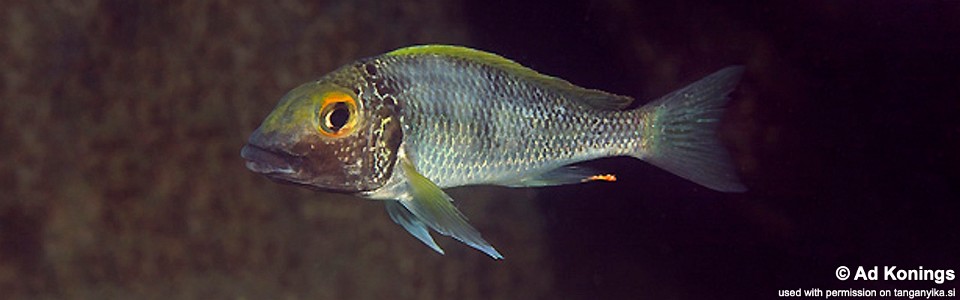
338,114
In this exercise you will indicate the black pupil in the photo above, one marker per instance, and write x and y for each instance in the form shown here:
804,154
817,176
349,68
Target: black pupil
338,117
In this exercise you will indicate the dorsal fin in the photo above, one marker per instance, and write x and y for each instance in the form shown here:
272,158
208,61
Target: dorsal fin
590,97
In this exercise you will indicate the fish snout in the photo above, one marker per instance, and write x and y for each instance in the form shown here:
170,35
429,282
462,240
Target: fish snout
263,161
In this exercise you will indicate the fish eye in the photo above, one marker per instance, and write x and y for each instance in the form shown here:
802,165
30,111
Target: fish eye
337,115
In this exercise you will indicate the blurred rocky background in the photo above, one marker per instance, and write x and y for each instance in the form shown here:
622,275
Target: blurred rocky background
121,124
120,175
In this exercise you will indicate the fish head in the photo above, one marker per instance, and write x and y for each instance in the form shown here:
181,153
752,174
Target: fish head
329,135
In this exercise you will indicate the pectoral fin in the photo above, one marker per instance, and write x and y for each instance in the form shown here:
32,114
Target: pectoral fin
433,207
411,223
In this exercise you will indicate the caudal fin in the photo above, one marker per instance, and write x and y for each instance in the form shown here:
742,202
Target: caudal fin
680,132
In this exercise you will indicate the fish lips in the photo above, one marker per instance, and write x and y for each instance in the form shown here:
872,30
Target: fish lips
274,164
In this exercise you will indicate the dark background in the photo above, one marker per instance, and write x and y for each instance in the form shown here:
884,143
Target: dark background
122,122
845,128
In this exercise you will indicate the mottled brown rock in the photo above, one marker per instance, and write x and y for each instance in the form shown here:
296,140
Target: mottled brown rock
120,175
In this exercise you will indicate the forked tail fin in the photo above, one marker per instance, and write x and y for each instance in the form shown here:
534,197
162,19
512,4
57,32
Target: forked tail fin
679,132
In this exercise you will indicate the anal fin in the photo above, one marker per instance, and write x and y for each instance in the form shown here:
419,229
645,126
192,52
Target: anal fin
562,176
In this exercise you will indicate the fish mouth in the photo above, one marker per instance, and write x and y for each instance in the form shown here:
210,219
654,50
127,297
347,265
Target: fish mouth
284,168
271,163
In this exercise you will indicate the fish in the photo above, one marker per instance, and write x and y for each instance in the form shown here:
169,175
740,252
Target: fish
402,126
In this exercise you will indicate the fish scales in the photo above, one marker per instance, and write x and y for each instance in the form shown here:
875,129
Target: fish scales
469,123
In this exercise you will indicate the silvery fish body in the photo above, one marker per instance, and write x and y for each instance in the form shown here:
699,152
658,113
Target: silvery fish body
469,123
402,126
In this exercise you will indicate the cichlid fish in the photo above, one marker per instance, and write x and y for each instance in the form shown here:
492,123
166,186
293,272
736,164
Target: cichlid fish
402,126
